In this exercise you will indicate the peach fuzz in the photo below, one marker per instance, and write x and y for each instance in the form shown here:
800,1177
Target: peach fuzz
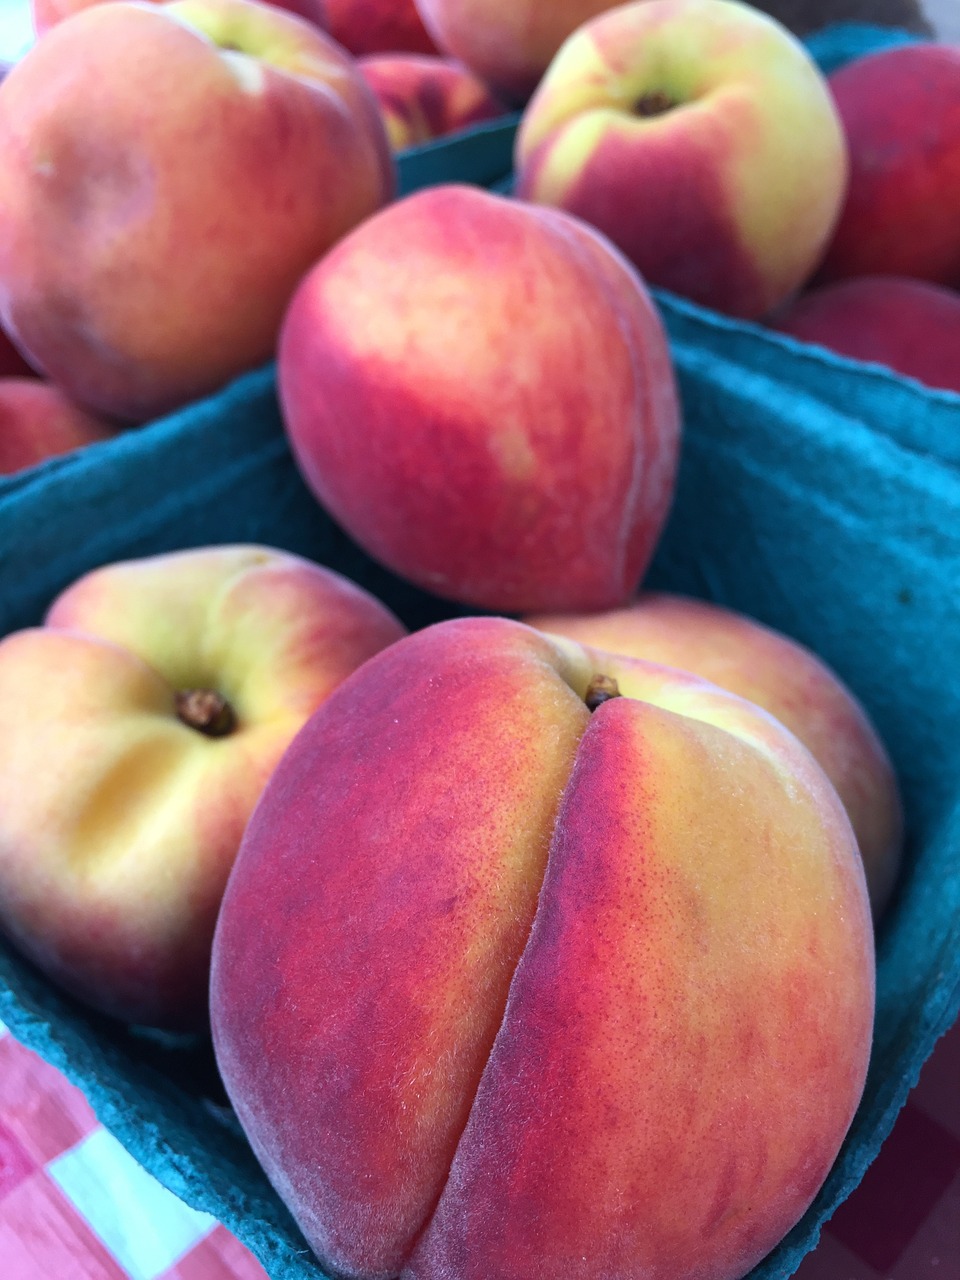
37,421
146,257
141,723
787,680
423,97
378,26
900,109
910,326
507,43
481,393
701,138
501,987
47,13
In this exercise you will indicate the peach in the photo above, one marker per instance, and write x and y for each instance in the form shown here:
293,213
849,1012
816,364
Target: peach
700,136
47,13
515,977
146,257
900,109
908,325
422,97
481,393
37,421
141,723
784,678
378,26
507,43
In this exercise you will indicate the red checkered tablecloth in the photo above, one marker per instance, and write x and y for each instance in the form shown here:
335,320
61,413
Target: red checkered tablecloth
75,1206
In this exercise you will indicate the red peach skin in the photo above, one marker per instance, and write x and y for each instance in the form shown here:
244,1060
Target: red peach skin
513,383
378,26
785,679
910,326
900,109
147,257
37,421
505,991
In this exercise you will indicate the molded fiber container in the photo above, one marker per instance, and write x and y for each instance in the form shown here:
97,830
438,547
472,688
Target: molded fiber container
819,495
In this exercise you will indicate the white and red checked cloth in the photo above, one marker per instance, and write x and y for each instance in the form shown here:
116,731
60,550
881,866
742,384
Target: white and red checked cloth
75,1206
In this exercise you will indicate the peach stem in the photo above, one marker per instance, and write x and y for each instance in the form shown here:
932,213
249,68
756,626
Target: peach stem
654,103
206,711
600,689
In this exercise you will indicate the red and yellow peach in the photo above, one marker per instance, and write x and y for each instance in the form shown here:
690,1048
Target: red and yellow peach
141,723
147,256
784,678
698,135
520,423
517,977
423,97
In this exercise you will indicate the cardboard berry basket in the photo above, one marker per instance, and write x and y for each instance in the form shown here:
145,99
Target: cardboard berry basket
816,494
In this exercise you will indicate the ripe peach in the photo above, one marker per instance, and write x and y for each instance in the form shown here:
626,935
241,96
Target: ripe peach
507,43
700,136
140,724
481,393
784,678
37,421
503,988
909,325
147,256
423,97
900,109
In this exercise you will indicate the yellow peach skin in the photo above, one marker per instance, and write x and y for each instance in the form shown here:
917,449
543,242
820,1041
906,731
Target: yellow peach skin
784,678
139,726
700,136
147,256
542,962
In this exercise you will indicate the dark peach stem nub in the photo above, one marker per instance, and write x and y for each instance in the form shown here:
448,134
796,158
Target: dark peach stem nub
206,711
601,689
654,103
